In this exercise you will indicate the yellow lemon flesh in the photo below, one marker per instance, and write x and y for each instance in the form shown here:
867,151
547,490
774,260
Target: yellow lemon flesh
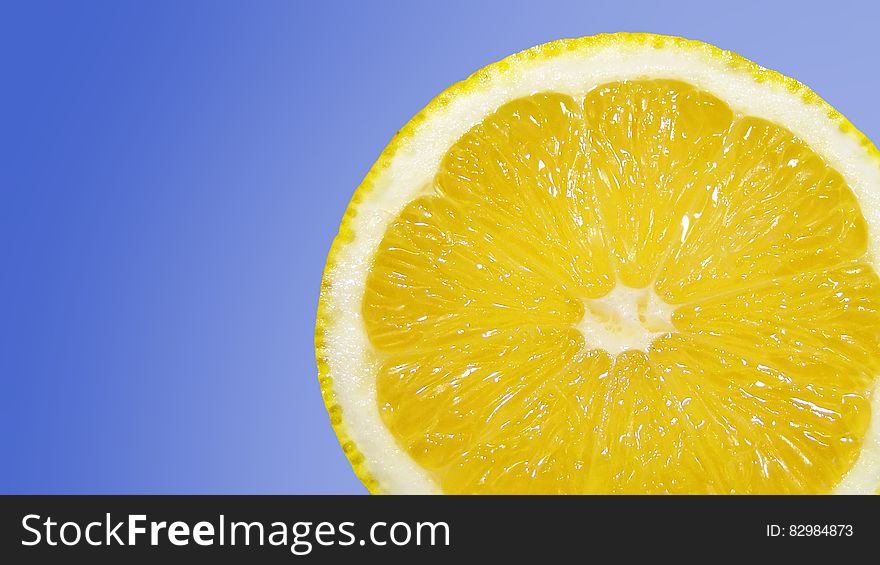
634,289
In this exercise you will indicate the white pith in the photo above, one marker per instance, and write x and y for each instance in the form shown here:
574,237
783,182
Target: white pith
625,319
349,355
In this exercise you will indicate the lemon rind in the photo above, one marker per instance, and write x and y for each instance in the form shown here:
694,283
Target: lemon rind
481,79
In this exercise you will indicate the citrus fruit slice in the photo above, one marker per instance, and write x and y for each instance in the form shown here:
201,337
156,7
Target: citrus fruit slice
626,263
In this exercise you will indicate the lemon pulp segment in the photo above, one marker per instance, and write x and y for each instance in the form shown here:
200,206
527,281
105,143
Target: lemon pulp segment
756,379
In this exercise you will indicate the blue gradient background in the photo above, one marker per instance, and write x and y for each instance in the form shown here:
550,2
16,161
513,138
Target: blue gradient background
172,175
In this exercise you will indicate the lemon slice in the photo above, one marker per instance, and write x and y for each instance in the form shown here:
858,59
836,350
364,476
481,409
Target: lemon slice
625,263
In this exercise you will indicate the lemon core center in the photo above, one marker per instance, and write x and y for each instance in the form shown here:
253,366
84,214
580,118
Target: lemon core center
624,319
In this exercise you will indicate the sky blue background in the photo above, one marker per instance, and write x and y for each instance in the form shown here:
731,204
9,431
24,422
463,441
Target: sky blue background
172,175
